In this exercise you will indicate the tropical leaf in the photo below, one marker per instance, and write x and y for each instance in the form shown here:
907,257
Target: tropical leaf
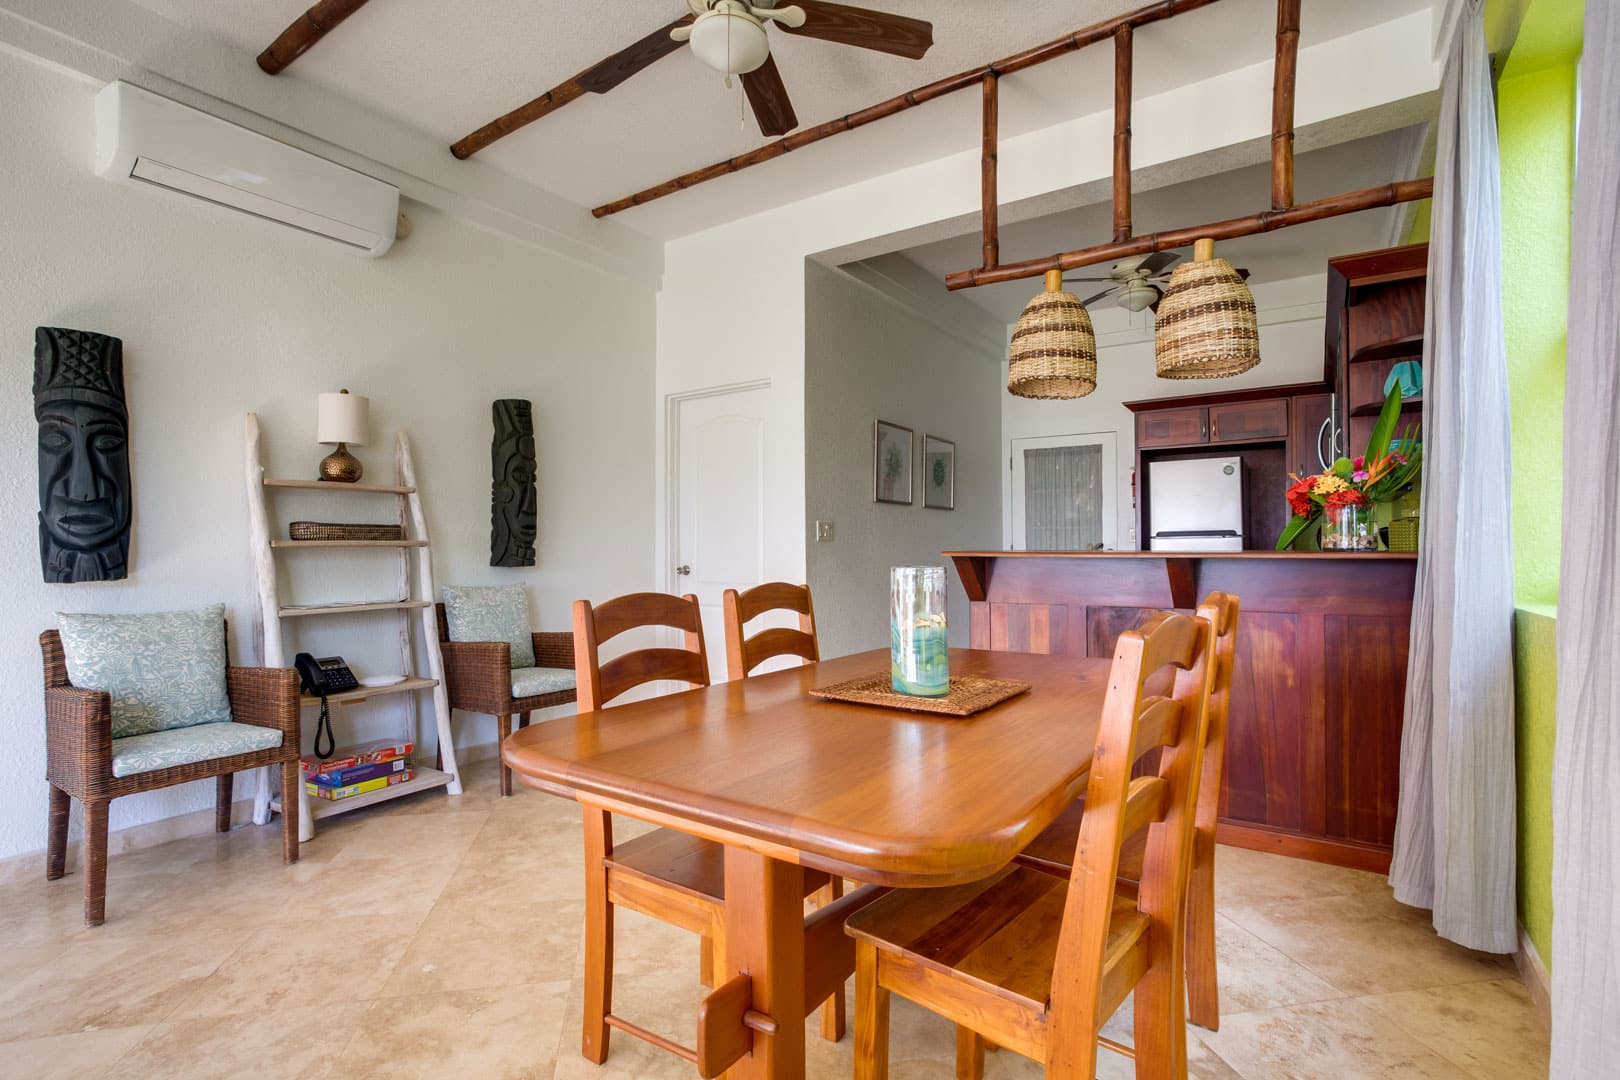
1293,529
1384,429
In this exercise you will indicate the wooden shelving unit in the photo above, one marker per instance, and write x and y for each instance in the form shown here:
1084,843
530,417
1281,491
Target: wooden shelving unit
1409,347
415,587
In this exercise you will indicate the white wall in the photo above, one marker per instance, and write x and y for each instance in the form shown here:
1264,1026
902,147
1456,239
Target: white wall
1291,327
866,357
221,315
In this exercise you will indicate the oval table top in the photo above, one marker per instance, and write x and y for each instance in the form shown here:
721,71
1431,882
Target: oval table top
882,795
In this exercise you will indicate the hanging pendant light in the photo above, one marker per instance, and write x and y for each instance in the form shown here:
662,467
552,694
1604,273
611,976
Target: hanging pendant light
1054,349
1206,327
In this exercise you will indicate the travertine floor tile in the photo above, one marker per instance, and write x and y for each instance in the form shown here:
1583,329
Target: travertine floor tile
1488,1029
1253,975
80,1056
468,945
508,1033
294,1042
1342,1040
1243,876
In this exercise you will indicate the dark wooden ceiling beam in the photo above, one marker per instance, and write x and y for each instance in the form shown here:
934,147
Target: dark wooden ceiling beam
305,32
1040,54
1283,77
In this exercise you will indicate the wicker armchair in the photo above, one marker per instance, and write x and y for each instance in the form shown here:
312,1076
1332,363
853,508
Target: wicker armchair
478,678
79,762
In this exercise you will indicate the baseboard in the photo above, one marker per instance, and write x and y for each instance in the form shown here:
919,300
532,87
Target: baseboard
30,865
1536,978
1348,853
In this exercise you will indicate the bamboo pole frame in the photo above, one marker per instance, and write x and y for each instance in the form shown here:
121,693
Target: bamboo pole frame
1122,133
1283,77
989,211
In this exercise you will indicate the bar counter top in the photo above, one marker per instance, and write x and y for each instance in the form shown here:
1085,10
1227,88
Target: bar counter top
1319,683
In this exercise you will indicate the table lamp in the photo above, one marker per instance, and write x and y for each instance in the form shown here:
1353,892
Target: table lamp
341,418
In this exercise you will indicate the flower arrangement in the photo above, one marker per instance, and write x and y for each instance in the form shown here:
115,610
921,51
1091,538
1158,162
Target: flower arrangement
1379,475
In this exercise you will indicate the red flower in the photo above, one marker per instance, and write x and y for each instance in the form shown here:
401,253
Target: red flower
1299,496
1358,464
1347,497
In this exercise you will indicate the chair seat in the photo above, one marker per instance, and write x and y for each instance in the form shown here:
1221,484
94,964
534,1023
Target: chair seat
188,745
1053,850
538,681
689,864
1001,933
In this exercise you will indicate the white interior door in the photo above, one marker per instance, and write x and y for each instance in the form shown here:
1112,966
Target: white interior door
719,534
1065,493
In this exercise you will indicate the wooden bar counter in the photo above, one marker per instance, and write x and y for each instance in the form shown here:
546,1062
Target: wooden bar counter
1313,754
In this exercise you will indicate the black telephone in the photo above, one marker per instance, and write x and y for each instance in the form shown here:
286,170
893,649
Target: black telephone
322,676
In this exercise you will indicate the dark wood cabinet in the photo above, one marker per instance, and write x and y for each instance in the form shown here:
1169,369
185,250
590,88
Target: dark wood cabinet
1309,431
1375,311
1248,421
1172,427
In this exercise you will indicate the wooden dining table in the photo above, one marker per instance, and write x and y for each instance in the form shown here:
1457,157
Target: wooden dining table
786,781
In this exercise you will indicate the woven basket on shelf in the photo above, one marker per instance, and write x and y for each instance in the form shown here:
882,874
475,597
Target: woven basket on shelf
1206,327
1403,534
321,530
1054,349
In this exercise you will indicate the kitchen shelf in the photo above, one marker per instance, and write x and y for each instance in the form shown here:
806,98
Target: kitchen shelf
1408,347
297,611
1373,408
286,544
328,485
354,697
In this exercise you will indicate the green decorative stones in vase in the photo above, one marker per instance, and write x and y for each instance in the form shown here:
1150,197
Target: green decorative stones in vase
919,645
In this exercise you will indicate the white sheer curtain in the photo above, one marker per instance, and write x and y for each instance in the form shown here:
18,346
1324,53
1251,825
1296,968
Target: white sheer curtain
1586,757
1063,501
1455,841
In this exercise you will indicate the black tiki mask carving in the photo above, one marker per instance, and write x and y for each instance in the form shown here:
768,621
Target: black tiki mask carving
84,490
512,516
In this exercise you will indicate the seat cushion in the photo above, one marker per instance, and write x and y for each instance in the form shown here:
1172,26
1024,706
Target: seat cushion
491,613
534,681
183,746
164,670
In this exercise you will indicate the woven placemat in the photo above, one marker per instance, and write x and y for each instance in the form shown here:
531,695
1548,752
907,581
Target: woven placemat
969,694
323,530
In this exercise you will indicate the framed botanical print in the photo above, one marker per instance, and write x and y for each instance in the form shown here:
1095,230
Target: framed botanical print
939,473
891,463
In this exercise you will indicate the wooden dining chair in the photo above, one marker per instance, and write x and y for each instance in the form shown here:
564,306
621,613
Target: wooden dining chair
1036,963
664,874
743,653
1053,850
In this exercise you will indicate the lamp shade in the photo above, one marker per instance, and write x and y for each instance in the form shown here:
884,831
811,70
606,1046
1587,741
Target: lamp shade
730,41
342,418
1054,349
1206,326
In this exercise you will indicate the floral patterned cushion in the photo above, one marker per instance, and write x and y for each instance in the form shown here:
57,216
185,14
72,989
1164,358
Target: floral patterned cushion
529,682
491,613
182,746
164,670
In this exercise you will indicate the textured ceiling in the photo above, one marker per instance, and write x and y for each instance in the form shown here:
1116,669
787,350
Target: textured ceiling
1288,253
448,68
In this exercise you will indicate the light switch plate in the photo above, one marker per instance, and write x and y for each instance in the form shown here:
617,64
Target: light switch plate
824,532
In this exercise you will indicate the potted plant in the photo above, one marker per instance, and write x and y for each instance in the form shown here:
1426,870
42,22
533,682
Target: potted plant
1341,499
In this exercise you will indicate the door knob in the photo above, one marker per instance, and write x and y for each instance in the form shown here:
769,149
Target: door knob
683,570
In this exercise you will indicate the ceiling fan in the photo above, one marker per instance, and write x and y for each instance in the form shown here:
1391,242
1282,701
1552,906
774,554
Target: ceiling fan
729,36
1137,282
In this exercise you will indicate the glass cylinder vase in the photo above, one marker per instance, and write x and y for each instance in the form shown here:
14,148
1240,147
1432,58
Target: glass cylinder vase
1348,528
919,649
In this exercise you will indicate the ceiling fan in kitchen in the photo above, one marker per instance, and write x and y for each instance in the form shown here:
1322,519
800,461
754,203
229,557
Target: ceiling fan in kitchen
1137,282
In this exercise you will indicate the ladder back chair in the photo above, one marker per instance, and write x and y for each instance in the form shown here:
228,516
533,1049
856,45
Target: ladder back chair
1036,963
664,874
743,653
1053,850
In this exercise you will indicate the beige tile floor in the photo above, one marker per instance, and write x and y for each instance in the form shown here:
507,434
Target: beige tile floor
440,937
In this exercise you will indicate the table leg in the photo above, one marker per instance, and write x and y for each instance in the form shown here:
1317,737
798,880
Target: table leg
765,940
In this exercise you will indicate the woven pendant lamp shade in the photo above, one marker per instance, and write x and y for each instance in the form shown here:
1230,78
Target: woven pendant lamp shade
1206,326
1054,350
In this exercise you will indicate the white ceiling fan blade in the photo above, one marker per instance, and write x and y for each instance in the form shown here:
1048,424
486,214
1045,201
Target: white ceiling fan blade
698,7
681,33
792,15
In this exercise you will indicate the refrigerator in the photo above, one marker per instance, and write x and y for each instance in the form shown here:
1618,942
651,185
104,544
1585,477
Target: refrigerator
1196,505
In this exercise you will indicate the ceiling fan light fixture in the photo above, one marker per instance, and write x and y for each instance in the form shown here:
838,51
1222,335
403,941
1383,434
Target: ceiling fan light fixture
730,40
1137,296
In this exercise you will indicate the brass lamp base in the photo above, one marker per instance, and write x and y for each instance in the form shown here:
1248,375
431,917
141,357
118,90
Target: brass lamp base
341,467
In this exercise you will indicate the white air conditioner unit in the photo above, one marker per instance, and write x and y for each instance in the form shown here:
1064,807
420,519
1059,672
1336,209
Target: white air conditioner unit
144,138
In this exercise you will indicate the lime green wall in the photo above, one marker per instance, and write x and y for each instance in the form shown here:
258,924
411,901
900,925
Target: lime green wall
1536,129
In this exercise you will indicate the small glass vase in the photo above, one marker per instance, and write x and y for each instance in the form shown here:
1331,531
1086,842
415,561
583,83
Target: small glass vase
1348,528
919,649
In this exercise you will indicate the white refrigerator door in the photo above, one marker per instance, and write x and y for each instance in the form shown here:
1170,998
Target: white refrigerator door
1199,496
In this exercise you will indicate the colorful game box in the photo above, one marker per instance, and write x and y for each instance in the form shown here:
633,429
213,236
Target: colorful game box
321,791
365,754
356,774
